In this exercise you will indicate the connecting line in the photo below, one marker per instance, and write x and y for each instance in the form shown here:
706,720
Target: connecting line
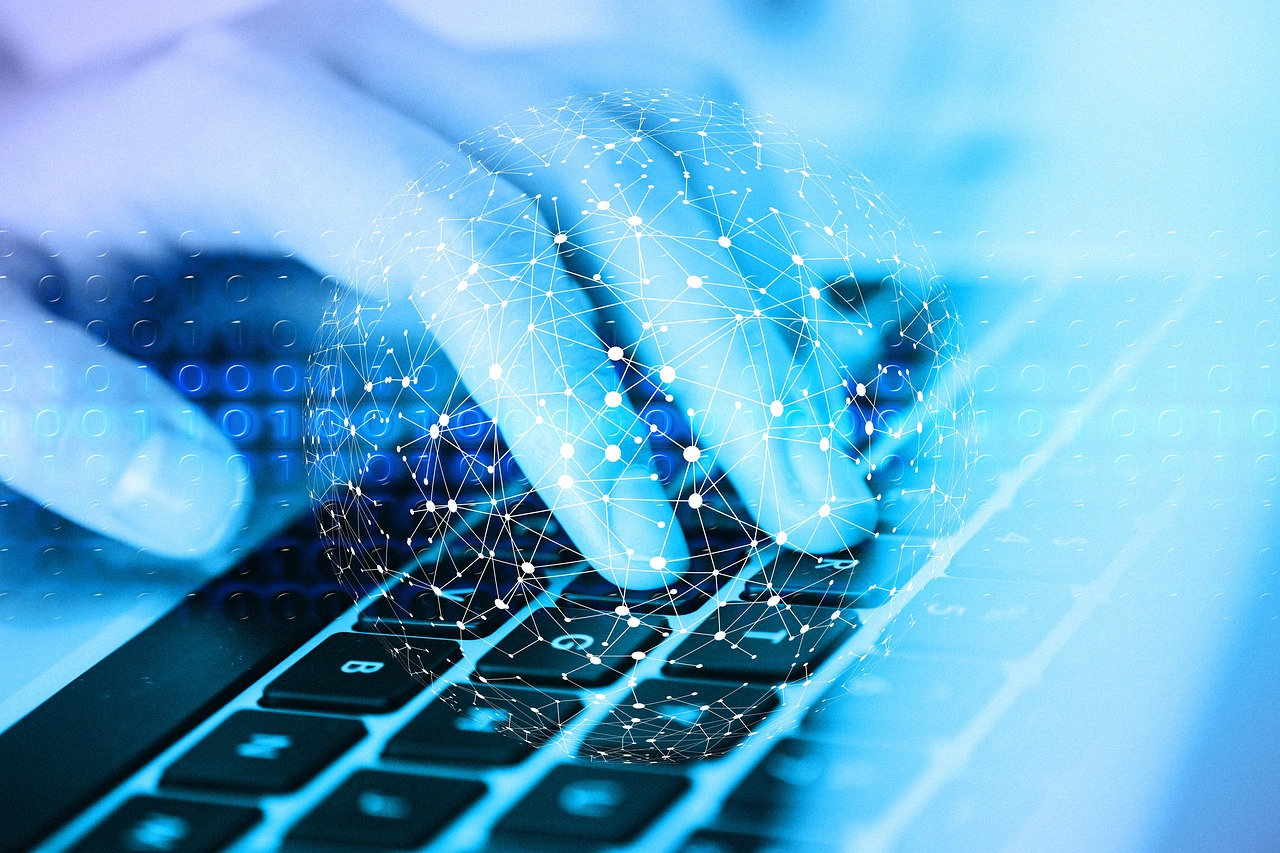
949,761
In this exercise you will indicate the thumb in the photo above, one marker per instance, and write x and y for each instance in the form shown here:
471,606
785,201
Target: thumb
105,442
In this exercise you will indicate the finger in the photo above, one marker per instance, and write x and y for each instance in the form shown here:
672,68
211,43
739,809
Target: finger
297,150
101,440
493,294
704,334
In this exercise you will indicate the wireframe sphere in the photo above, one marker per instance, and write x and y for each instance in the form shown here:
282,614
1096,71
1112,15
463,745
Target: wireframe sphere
642,402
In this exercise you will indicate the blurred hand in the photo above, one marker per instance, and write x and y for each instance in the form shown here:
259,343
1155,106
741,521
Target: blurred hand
285,135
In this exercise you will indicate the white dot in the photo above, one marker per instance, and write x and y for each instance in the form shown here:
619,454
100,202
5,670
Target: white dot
692,453
634,220
694,281
566,451
781,538
434,431
775,408
602,205
565,481
827,228
667,373
824,444
824,510
695,500
444,420
813,292
658,563
473,269
724,241
637,655
613,453
613,399
870,428
431,506
526,567
453,505
615,353
560,238
797,260
861,390
495,371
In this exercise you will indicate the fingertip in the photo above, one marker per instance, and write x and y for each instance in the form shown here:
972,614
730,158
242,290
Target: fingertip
180,498
646,549
827,505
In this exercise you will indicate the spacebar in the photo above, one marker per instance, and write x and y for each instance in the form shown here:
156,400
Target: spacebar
120,714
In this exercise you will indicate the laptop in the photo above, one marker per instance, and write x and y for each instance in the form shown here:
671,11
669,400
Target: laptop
1061,672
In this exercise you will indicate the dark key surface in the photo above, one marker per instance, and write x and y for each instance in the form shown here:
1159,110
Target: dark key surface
760,642
978,618
864,577
683,595
386,811
805,790
264,751
174,826
720,841
571,646
590,804
353,673
665,720
475,602
482,725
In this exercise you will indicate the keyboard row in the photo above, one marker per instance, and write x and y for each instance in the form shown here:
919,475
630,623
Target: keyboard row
310,720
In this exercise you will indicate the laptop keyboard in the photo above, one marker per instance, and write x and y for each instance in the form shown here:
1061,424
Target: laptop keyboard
338,748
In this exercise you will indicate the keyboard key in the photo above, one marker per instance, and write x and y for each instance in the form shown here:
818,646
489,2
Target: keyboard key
482,725
811,791
704,578
669,720
719,841
386,811
719,544
572,646
864,577
474,603
355,674
978,618
590,804
173,826
264,751
521,537
761,643
903,701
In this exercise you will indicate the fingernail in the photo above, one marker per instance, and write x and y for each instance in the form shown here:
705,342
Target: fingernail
642,554
180,498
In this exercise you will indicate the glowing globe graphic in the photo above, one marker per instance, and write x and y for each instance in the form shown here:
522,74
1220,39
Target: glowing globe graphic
630,398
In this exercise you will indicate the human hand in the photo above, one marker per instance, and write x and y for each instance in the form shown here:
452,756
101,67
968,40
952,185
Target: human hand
273,138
